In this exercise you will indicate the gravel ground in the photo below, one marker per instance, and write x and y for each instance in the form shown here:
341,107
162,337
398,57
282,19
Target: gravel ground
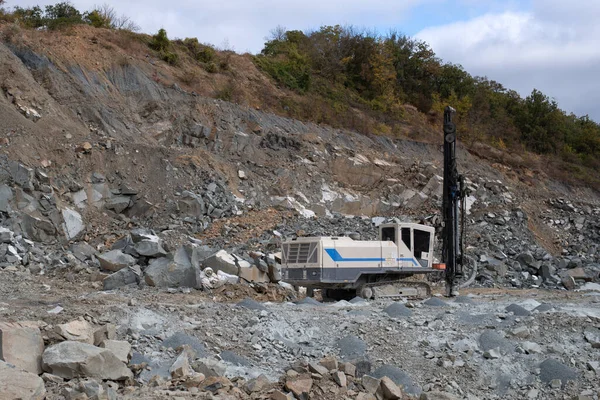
474,346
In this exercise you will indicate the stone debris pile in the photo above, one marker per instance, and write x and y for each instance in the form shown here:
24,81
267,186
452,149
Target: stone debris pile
141,258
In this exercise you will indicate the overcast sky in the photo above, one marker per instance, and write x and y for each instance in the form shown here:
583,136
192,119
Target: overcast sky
551,45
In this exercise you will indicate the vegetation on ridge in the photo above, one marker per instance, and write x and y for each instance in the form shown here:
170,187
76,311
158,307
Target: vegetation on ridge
378,74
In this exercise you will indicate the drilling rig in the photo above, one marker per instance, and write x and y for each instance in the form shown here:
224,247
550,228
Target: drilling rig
342,267
453,208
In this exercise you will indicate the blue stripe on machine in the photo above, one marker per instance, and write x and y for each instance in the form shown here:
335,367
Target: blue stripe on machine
337,257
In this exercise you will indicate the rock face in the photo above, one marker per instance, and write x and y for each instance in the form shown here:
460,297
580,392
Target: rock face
74,359
19,384
22,345
171,272
115,260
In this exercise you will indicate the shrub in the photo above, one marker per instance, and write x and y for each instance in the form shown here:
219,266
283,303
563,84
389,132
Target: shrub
169,57
226,92
160,41
62,15
29,17
97,19
199,52
211,67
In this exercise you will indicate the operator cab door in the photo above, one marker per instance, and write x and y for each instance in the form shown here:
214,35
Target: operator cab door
423,243
405,247
389,254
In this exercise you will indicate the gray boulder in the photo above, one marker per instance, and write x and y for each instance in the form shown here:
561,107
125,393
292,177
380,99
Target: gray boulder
37,229
115,260
82,251
518,310
19,384
73,223
150,247
71,359
6,235
198,254
228,263
6,195
126,276
191,205
274,271
399,377
552,369
21,175
173,271
592,336
21,344
118,203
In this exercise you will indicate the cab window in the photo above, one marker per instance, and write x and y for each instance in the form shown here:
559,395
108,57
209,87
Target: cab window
422,239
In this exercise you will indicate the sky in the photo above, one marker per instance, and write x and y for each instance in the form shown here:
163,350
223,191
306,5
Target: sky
550,45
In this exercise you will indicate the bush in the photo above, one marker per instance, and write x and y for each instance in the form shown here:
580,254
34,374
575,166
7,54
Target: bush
226,92
211,67
169,57
199,52
32,17
160,42
97,19
62,15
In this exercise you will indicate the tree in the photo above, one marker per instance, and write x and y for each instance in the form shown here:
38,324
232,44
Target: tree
160,41
96,19
29,17
62,14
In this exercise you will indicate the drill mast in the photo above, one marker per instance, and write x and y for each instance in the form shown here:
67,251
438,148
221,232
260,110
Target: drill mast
453,208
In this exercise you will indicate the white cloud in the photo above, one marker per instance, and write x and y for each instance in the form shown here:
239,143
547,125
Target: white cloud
555,48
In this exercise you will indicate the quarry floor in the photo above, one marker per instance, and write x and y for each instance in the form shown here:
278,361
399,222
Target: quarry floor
444,344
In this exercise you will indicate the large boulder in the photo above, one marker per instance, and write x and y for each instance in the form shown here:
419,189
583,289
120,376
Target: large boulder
223,261
150,246
173,271
198,254
78,330
120,348
19,384
191,204
253,274
21,175
118,203
38,229
126,276
73,223
21,344
82,251
6,235
74,359
115,260
6,195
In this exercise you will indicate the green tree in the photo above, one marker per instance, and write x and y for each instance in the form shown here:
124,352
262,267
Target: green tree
160,41
32,17
97,20
62,14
